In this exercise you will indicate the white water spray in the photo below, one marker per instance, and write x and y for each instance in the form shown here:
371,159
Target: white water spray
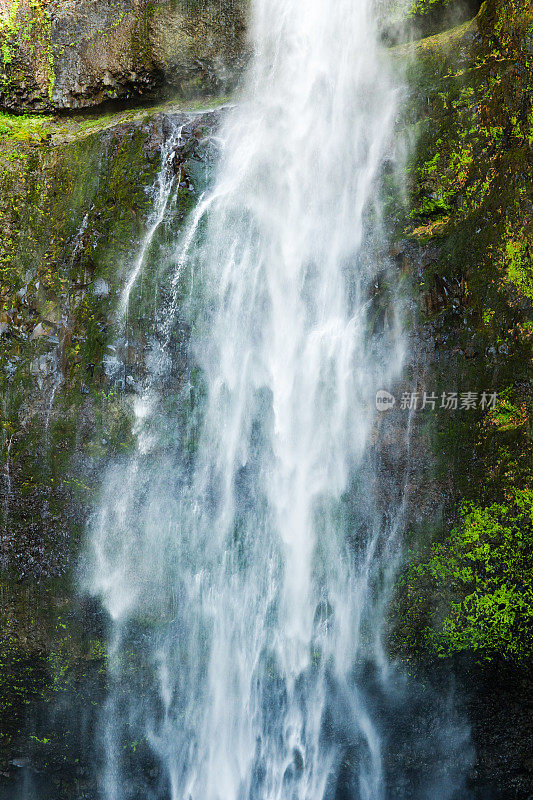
243,576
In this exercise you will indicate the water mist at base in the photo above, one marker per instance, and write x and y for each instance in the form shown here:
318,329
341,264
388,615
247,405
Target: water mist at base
245,557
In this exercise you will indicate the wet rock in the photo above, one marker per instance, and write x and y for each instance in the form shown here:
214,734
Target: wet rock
21,763
100,288
76,55
40,330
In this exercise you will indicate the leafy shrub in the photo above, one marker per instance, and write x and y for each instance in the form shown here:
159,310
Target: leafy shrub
488,562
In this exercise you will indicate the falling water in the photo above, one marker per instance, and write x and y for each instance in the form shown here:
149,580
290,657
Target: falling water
243,557
166,183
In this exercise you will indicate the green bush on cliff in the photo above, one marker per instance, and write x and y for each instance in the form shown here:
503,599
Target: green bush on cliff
488,562
422,7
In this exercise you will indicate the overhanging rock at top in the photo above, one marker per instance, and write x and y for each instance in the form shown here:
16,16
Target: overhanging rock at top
70,54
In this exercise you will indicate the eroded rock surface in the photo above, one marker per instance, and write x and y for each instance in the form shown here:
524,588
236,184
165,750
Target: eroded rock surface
70,54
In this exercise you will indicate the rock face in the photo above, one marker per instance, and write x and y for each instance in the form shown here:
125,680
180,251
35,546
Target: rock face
467,241
70,54
73,214
75,202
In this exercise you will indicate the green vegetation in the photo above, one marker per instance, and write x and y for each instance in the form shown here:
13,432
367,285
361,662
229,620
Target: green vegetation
422,8
468,584
74,200
483,571
27,128
28,24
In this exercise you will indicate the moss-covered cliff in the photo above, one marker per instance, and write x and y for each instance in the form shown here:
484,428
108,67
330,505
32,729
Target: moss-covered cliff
75,203
469,231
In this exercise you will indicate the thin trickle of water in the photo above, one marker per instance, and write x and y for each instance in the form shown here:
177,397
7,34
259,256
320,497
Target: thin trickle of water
57,382
166,183
7,480
244,560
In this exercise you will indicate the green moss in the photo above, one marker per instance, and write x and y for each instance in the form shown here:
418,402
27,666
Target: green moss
8,31
45,198
517,261
73,213
28,128
422,8
484,571
140,40
470,209
29,26
469,187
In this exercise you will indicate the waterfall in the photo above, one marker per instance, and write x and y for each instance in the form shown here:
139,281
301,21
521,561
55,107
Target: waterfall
244,556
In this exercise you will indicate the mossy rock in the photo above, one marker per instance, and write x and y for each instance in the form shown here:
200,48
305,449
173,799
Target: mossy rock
58,56
471,184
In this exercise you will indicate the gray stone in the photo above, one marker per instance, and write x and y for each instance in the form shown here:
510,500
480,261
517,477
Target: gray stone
67,54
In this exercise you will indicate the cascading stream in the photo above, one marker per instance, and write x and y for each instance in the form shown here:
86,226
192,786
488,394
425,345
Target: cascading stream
244,564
